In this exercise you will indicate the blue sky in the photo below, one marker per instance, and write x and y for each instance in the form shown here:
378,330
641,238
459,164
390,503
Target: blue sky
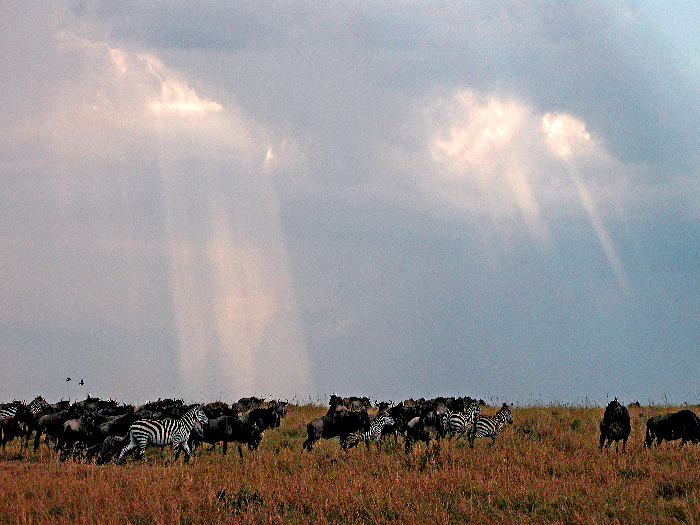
219,199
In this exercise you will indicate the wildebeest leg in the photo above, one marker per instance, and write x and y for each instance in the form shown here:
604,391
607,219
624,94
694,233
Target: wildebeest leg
225,447
308,444
37,438
240,450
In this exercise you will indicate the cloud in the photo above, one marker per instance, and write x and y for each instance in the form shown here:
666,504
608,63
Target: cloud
564,133
158,195
412,199
176,96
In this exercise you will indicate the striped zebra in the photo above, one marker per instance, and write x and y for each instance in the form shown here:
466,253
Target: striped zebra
38,405
173,432
490,426
374,433
13,421
8,411
25,416
461,423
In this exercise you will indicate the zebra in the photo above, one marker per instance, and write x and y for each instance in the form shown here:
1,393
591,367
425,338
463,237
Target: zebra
461,423
490,426
24,415
14,419
38,405
374,433
173,432
35,407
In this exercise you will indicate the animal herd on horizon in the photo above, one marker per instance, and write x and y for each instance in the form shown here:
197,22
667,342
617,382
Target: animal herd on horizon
99,430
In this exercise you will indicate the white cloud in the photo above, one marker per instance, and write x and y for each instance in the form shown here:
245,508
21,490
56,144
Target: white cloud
564,134
126,125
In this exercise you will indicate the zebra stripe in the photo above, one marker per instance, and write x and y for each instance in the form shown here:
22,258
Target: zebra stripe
173,432
490,426
461,423
8,412
374,433
34,408
38,405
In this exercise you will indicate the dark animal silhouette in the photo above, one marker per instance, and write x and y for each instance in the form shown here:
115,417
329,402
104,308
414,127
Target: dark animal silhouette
683,425
615,425
229,429
340,425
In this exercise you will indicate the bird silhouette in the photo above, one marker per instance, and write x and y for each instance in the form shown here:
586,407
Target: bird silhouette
67,378
81,382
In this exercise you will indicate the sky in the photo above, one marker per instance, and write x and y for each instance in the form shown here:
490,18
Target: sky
211,200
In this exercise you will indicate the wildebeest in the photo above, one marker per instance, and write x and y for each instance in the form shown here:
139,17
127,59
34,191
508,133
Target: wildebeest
108,449
229,429
683,425
340,425
615,425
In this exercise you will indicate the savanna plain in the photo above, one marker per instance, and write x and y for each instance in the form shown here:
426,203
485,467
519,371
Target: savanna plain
544,468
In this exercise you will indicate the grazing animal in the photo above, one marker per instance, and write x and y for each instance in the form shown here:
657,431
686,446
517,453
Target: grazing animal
461,423
490,426
418,429
263,418
105,451
342,424
13,421
173,432
374,433
78,433
615,425
229,429
683,425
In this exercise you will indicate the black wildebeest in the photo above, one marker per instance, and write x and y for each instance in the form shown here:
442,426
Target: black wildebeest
340,425
230,429
615,425
683,425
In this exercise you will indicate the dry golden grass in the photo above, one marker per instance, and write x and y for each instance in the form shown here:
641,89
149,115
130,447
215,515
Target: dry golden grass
545,468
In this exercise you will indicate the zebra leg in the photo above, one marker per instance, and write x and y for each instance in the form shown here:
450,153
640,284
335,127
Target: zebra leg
141,450
176,452
189,454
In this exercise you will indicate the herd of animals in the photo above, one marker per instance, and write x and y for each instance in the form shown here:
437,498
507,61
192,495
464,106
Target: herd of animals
103,431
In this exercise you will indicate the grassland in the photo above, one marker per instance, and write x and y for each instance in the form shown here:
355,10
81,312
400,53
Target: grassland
545,468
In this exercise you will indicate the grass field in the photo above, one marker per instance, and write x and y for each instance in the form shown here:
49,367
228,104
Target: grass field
545,468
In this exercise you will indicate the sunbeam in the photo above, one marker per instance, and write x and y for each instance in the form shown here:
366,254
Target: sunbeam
234,307
565,135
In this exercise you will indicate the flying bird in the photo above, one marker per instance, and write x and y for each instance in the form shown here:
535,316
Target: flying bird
67,378
81,382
